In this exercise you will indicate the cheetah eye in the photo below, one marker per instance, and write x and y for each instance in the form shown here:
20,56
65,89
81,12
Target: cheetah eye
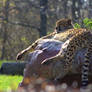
58,29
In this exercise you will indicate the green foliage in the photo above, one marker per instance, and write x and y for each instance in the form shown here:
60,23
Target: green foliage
87,23
76,25
9,82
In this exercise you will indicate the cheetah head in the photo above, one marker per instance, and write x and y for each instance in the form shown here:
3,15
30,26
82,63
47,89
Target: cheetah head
63,24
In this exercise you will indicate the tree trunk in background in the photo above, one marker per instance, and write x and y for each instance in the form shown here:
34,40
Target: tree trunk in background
90,9
65,8
43,17
4,28
76,10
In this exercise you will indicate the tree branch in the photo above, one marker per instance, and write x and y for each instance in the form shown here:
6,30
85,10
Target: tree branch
24,25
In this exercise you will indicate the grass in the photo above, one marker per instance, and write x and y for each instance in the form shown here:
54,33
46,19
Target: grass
9,82
2,61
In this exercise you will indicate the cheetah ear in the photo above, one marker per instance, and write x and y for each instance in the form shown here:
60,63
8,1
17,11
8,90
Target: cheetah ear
69,21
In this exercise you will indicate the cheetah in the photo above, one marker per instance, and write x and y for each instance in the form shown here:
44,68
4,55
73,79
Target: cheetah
82,39
61,26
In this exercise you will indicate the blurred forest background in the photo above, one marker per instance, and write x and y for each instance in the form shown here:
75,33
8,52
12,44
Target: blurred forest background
24,21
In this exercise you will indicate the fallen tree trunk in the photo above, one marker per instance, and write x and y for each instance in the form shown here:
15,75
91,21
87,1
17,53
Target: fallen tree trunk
12,68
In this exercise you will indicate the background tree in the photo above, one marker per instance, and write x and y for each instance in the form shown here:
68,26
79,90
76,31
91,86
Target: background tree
90,9
43,17
5,27
76,6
